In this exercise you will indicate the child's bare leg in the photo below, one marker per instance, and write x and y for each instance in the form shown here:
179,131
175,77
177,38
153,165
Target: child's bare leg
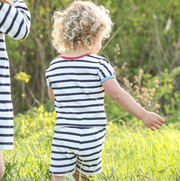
76,176
56,178
2,167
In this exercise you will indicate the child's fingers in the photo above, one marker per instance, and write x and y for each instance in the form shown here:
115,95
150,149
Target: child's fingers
156,126
161,119
152,128
159,123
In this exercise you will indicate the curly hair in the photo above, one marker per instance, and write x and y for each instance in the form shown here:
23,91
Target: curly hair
77,24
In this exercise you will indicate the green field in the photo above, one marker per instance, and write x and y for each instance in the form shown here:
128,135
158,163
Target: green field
131,151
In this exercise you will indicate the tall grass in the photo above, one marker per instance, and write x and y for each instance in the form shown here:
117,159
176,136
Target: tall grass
131,152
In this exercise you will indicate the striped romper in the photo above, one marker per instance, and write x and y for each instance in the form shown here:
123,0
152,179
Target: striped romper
15,22
81,122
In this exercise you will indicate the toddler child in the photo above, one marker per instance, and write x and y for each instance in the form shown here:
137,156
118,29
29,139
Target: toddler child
77,81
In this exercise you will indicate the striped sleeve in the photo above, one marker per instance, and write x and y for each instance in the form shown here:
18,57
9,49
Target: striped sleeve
48,80
15,20
105,71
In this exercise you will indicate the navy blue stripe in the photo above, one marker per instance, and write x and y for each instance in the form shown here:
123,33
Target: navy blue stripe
6,126
2,41
6,110
12,24
5,76
80,93
5,17
5,84
75,148
61,172
75,100
2,4
20,7
102,73
5,93
63,146
25,33
74,60
67,165
91,105
76,134
81,125
4,67
25,15
62,74
88,171
19,29
93,147
3,58
68,67
59,152
79,87
73,80
1,101
6,118
99,58
93,165
6,143
61,159
80,119
88,160
2,49
90,112
7,135
106,68
80,142
88,155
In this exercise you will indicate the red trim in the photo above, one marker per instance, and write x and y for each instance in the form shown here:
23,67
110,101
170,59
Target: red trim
72,58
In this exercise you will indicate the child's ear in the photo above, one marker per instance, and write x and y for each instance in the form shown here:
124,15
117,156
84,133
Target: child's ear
94,39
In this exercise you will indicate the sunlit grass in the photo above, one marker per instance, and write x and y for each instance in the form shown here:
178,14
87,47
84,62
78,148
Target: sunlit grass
131,152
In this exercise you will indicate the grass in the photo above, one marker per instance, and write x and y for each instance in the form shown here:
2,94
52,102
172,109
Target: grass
131,152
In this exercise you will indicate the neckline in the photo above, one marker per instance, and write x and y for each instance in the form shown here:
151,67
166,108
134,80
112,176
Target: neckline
72,58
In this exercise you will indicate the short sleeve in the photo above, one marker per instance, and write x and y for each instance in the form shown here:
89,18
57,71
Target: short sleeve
105,71
48,83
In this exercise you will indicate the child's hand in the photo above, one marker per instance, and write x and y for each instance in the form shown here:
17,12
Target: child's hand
152,120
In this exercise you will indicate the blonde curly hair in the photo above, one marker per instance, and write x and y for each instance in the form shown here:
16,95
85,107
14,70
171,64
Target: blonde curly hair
76,25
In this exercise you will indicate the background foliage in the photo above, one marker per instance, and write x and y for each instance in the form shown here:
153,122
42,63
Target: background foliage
146,35
131,152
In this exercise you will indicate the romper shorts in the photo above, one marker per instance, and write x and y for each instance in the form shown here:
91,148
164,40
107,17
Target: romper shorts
77,148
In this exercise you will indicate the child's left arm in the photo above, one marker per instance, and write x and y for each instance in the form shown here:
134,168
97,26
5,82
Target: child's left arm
51,94
124,99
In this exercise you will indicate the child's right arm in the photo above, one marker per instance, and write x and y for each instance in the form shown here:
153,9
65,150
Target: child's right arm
124,99
51,94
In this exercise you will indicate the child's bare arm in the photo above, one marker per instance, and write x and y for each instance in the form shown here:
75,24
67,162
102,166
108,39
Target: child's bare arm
124,99
51,94
6,1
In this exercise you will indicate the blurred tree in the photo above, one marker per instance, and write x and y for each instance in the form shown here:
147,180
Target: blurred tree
146,35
